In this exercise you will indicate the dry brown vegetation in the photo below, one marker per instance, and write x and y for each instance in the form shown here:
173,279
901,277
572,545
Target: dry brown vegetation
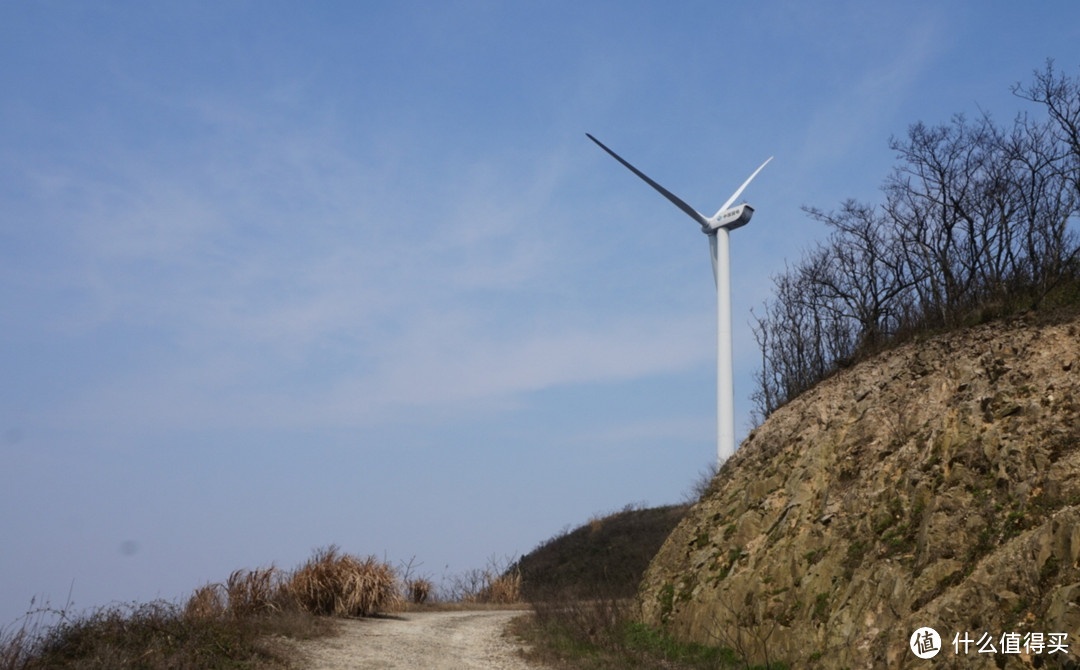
252,592
223,625
241,622
153,636
497,584
337,584
504,589
419,590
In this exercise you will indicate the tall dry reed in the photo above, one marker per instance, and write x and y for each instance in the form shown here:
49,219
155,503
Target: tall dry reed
339,584
253,592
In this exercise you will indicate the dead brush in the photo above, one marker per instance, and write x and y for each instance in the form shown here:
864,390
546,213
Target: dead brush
504,589
338,584
207,602
497,584
418,590
253,592
18,645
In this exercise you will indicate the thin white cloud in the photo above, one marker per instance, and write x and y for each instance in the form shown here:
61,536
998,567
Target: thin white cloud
438,367
274,260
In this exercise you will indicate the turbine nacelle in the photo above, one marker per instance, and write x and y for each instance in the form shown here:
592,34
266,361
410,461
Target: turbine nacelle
729,219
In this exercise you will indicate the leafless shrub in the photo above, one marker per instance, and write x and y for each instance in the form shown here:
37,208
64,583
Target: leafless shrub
700,486
418,590
498,583
21,642
745,632
504,589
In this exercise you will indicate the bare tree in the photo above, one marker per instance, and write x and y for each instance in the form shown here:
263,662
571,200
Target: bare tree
978,220
860,273
1060,96
1043,181
803,336
931,198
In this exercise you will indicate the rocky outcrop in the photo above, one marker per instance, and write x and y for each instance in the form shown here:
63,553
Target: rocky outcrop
935,485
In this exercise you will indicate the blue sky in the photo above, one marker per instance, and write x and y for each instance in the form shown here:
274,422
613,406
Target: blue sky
275,275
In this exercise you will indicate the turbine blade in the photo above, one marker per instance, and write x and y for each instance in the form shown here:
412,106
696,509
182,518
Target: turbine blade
675,200
736,194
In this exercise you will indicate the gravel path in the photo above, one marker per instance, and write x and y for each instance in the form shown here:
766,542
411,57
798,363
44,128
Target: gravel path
420,640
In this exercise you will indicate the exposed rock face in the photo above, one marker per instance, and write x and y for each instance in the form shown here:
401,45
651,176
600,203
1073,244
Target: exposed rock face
936,485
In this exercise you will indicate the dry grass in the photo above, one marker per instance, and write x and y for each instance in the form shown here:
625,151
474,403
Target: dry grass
603,632
208,602
336,584
502,589
228,625
239,623
155,636
19,644
253,592
498,584
419,590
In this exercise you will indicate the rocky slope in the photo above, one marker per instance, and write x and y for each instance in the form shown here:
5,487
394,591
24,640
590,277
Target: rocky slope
936,485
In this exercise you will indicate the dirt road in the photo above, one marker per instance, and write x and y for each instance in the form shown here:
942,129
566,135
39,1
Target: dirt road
420,640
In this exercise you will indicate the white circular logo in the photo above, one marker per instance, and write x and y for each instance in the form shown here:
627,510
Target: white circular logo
925,643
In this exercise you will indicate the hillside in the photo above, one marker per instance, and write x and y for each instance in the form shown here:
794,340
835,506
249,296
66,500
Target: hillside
606,556
935,485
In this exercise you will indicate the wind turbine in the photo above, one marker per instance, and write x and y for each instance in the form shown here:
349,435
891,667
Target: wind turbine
717,227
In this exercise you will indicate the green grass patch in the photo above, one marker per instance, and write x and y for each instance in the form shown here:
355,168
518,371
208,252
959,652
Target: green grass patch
627,645
604,632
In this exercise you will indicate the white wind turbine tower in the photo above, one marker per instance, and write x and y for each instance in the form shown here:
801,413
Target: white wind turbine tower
717,227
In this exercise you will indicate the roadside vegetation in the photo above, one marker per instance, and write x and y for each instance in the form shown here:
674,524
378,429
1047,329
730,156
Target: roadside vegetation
155,635
603,632
497,585
239,623
250,621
